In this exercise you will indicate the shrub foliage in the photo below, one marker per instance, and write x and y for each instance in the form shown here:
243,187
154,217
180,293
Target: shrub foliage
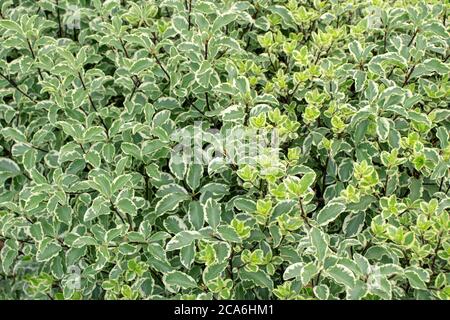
344,104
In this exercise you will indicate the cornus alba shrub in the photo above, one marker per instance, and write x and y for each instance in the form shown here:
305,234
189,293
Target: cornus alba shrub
224,149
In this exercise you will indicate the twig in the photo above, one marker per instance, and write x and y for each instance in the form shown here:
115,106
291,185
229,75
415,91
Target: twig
34,57
161,66
220,55
188,101
304,216
188,6
408,75
14,84
386,184
324,174
117,212
435,252
37,148
207,101
390,73
291,95
318,56
124,49
446,58
413,37
206,58
271,62
59,19
136,85
92,103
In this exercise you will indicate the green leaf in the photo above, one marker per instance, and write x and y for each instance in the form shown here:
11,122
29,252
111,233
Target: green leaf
244,204
342,275
177,166
436,65
183,239
196,215
417,277
84,241
383,126
98,208
306,181
308,272
259,278
127,206
212,213
64,214
94,134
7,257
120,182
285,14
319,242
356,50
180,24
144,186
151,147
180,279
47,250
214,271
169,202
103,184
194,174
360,79
293,271
353,224
11,25
8,168
228,233
187,255
222,20
329,213
141,65
371,91
14,134
322,292
131,150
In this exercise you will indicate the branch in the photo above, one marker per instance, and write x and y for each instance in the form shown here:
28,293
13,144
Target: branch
92,103
413,37
136,84
408,75
290,96
435,252
14,84
34,57
161,66
188,5
304,216
124,49
386,184
59,19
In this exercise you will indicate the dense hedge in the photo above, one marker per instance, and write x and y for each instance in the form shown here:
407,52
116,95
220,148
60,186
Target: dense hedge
326,175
